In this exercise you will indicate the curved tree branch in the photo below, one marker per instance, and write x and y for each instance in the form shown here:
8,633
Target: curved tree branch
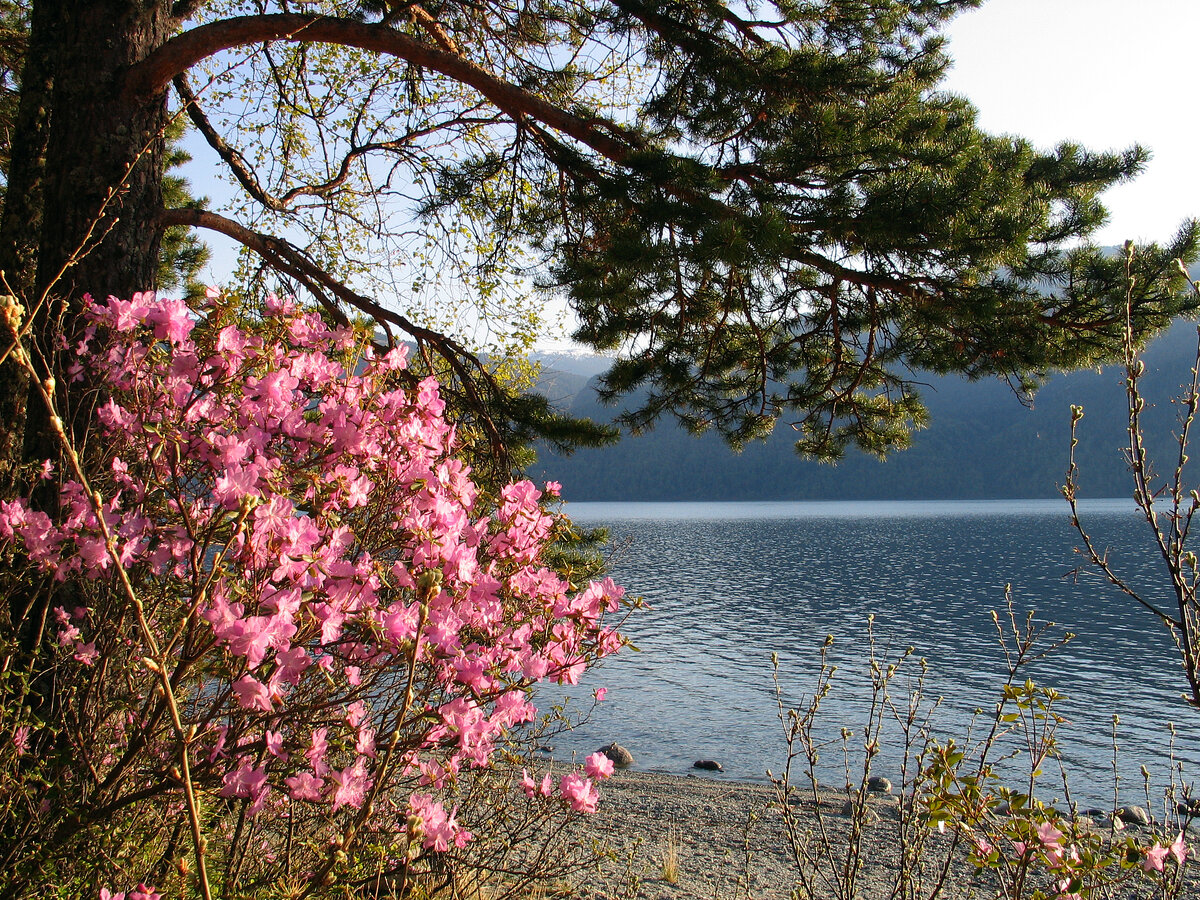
151,76
231,155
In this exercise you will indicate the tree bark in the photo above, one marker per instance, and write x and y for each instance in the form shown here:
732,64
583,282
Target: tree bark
103,182
85,185
21,224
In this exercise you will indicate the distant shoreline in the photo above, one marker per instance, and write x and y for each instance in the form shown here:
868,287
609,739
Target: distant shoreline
597,510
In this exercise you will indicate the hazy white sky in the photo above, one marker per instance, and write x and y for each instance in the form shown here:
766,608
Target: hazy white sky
1104,73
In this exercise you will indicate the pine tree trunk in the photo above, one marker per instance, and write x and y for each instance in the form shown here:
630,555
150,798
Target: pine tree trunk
21,224
85,184
100,145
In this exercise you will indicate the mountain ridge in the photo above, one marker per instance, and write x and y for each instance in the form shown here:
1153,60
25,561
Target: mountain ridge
982,443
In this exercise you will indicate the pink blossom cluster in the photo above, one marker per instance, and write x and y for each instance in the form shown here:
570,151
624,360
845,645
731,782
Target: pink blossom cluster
1053,850
141,892
318,565
574,788
1157,855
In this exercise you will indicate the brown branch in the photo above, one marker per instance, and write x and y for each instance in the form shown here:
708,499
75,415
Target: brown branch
231,155
433,28
151,76
916,289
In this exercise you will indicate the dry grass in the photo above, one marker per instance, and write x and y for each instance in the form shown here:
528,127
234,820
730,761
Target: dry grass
670,855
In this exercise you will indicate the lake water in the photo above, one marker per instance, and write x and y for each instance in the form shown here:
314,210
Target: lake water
727,584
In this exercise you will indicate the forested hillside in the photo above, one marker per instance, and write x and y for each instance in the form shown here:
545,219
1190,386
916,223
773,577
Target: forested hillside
982,443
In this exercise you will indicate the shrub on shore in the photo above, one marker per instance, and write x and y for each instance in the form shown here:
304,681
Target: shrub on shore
289,625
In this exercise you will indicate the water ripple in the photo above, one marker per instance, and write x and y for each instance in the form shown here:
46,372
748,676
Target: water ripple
729,584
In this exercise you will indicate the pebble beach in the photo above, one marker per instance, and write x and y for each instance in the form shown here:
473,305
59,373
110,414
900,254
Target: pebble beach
672,837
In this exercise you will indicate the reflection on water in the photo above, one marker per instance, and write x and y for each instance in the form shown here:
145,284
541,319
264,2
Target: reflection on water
728,584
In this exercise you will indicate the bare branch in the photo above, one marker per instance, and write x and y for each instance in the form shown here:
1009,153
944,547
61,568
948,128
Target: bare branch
244,173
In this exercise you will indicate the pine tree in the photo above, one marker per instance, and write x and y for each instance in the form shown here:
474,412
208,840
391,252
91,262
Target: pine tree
773,208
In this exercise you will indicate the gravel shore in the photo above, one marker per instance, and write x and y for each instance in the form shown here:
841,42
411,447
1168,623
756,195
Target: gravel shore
673,837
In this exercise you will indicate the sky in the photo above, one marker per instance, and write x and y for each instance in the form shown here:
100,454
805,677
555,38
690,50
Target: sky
1104,73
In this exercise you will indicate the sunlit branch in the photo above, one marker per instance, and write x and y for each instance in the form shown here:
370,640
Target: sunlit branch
155,72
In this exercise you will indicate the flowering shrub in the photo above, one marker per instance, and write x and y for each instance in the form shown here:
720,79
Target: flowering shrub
1033,850
301,619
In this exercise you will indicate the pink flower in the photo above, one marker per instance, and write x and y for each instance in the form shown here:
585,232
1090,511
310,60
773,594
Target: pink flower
598,766
218,749
305,786
1179,850
315,754
531,787
579,792
172,320
125,315
274,740
290,664
512,708
231,343
20,739
245,780
87,653
364,744
352,783
439,830
277,306
1155,857
253,694
355,713
1049,835
527,783
600,694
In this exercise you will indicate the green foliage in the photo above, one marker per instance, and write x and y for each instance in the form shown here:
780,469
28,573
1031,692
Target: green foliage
840,221
183,254
773,209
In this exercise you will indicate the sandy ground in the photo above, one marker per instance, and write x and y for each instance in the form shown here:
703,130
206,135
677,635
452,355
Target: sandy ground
672,837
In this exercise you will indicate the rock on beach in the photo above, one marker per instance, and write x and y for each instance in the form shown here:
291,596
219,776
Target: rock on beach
1133,815
877,784
621,758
